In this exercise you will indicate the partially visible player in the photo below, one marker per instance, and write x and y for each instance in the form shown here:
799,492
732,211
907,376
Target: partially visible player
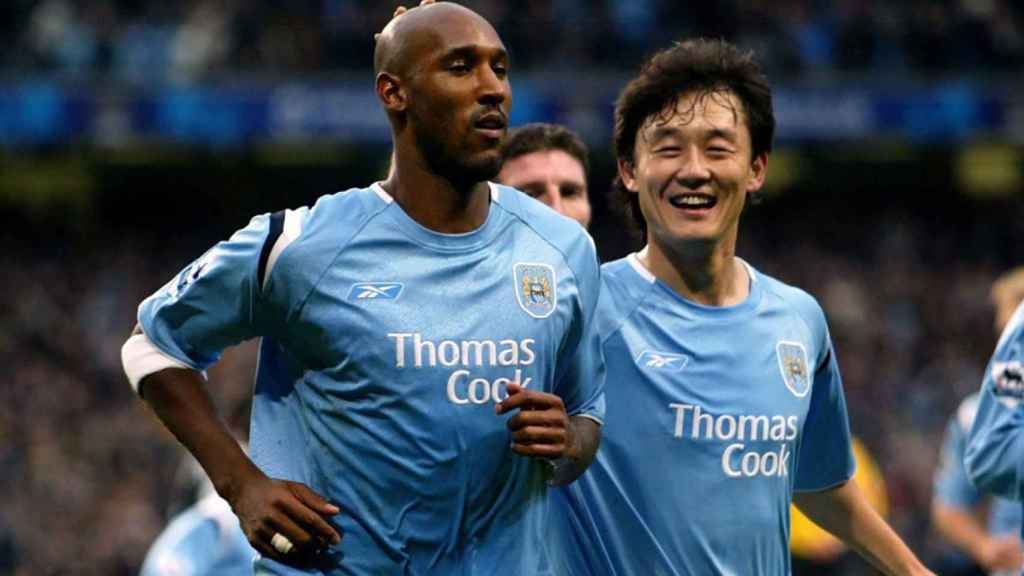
203,540
723,387
816,552
550,163
986,529
994,454
427,367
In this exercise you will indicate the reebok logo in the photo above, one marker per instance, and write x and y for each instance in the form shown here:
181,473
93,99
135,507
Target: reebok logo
376,291
662,360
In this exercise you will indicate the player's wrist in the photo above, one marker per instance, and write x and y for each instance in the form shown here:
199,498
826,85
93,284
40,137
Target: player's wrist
982,551
573,446
231,481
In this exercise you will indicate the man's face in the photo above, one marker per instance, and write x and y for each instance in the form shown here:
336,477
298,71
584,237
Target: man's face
554,177
693,169
459,99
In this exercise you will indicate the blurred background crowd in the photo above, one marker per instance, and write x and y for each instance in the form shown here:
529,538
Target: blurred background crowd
146,39
899,235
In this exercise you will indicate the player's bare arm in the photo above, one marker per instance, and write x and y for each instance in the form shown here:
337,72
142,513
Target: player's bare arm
541,428
961,527
845,512
264,506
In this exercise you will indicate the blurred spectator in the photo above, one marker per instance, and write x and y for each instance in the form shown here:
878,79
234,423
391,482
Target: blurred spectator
793,37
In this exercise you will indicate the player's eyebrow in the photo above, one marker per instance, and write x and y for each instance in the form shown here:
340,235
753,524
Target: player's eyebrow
664,131
532,186
473,51
669,131
726,133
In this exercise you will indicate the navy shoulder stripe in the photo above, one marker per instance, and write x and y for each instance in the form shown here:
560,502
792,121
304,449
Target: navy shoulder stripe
276,228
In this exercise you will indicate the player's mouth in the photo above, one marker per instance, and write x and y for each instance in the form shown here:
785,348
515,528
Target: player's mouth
693,201
491,125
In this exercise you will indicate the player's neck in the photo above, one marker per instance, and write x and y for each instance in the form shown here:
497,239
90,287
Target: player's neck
711,276
435,202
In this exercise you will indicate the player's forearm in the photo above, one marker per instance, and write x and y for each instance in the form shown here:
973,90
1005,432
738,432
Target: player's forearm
585,439
959,528
845,513
179,398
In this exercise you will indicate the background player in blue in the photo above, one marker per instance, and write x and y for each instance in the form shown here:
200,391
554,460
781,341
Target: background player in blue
419,337
203,540
723,394
958,507
995,445
986,529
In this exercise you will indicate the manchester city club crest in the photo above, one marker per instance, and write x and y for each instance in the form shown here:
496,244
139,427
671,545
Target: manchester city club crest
793,365
536,288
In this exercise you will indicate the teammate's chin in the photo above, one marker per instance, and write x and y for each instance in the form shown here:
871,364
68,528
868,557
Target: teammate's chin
691,233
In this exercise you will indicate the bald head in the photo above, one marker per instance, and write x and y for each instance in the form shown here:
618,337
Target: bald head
409,37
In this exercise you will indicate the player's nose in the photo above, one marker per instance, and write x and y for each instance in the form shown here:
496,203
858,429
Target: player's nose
693,170
554,198
493,90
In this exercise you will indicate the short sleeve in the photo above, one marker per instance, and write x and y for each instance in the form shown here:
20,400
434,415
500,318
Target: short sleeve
212,303
581,383
952,488
995,445
825,456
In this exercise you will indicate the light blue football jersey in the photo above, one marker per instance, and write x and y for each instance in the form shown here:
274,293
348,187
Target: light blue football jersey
995,446
953,488
205,539
385,348
715,416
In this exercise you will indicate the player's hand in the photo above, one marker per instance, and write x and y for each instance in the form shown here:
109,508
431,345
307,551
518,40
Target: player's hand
402,10
266,507
541,428
1002,554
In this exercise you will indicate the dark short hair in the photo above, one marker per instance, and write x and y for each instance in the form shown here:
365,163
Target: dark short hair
699,65
539,136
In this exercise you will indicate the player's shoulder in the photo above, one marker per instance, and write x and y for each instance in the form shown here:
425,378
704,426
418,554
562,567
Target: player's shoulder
789,296
305,240
966,411
337,214
787,293
565,234
619,276
624,285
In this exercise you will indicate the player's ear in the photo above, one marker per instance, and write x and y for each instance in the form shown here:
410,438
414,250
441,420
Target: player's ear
391,92
758,172
627,173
